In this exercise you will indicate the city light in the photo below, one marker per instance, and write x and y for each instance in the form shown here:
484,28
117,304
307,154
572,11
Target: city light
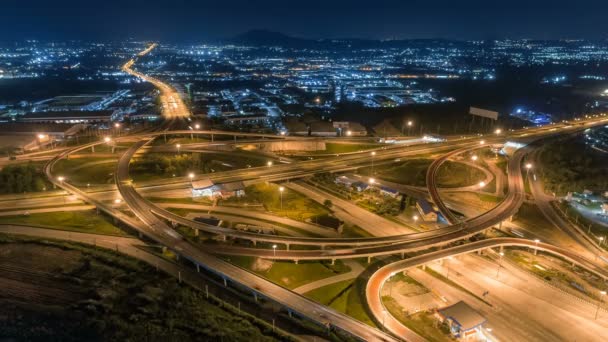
482,184
498,131
474,157
107,139
269,163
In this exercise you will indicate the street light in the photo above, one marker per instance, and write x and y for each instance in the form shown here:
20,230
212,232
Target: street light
415,217
498,131
481,142
536,241
61,179
197,126
482,184
599,302
178,146
373,155
349,133
499,263
281,189
117,201
409,127
474,157
269,164
274,250
372,181
191,176
107,139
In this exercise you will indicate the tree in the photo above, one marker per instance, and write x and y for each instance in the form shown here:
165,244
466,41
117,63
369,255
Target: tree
328,203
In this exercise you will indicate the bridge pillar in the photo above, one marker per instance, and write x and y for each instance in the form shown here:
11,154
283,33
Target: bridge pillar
500,225
141,236
177,257
502,249
211,137
479,252
198,268
333,261
289,313
402,255
369,259
424,267
296,261
535,251
225,282
255,296
511,218
322,247
164,249
223,237
255,242
196,232
287,246
93,149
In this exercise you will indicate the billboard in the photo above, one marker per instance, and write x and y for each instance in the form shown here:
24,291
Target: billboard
483,113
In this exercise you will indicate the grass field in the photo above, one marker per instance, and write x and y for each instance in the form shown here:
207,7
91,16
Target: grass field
78,221
289,274
344,297
86,170
294,205
413,172
423,323
55,291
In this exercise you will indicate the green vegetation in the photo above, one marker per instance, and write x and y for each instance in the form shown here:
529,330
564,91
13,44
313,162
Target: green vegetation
21,178
371,199
343,296
78,221
152,166
413,172
573,166
423,323
86,170
294,205
62,291
409,172
290,274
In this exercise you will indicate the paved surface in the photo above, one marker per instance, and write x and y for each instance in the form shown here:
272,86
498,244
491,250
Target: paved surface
520,303
377,279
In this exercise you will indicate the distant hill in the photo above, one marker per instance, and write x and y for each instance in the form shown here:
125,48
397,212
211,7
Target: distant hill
269,38
272,38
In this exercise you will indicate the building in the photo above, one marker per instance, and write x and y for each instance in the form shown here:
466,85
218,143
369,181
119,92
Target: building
426,210
463,320
349,129
386,191
206,188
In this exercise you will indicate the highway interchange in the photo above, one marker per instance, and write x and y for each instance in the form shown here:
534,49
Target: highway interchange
154,222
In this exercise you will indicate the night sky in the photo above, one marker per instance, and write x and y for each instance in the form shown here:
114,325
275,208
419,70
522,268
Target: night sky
195,21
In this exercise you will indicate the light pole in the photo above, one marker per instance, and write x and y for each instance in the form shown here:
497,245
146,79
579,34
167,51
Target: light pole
274,250
117,126
178,146
191,176
536,241
60,179
415,217
498,131
373,155
349,133
528,167
599,303
499,263
481,185
409,127
269,164
281,189
474,157
481,142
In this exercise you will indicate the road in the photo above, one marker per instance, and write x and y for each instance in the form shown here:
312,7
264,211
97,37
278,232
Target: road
520,302
378,278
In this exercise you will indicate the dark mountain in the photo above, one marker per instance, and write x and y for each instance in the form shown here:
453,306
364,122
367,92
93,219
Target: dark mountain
272,38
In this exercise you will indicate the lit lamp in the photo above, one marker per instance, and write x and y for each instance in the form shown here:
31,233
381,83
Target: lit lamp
178,146
474,157
281,189
269,163
191,176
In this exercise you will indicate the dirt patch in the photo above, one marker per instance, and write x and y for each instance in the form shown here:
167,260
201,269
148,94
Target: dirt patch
261,265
